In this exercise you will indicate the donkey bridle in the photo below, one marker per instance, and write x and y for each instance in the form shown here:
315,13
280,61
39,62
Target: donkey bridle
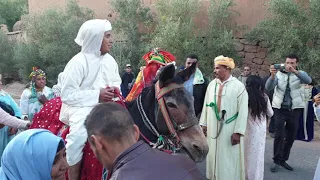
171,124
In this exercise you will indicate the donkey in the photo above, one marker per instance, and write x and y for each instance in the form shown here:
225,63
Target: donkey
178,107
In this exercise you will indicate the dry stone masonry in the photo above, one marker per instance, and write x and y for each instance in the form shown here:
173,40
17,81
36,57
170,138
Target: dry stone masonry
254,55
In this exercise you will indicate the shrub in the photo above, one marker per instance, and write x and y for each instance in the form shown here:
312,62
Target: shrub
7,67
132,18
26,56
50,42
175,29
219,39
292,27
177,32
11,11
172,29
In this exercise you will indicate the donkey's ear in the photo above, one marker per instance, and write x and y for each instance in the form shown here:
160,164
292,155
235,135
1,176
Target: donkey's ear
166,75
185,74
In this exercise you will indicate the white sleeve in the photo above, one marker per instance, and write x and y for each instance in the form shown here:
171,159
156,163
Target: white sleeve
11,121
317,111
269,107
71,93
24,103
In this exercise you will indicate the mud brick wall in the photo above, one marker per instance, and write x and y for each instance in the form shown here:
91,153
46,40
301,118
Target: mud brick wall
254,55
19,36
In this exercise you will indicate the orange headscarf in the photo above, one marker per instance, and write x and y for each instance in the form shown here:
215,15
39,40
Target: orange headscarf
154,60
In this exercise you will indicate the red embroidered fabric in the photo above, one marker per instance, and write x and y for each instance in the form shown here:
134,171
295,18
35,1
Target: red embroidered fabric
48,118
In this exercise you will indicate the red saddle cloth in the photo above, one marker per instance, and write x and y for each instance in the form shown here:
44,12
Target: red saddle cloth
48,118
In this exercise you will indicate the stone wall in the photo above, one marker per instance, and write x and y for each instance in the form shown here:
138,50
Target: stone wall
254,55
18,34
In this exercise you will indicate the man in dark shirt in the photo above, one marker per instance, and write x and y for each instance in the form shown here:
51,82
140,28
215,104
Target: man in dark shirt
113,137
196,84
127,79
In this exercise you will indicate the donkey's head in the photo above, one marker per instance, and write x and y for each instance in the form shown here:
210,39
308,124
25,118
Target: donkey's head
180,107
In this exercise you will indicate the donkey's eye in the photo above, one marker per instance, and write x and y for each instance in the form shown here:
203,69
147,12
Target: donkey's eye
171,105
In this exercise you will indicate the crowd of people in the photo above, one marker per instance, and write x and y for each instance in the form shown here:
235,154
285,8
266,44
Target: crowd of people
233,113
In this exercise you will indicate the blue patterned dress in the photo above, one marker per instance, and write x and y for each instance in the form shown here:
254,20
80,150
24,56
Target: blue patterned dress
4,135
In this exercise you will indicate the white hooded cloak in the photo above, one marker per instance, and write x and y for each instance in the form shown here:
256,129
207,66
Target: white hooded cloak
83,77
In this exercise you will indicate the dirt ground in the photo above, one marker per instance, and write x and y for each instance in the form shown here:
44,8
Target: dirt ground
317,131
15,90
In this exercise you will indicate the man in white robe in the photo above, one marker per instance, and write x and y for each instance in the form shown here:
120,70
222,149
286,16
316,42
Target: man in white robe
223,120
90,77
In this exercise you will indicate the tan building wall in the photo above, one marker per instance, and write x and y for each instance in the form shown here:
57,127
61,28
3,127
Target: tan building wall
251,11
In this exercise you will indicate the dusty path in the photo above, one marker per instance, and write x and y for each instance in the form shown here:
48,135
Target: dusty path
304,158
15,90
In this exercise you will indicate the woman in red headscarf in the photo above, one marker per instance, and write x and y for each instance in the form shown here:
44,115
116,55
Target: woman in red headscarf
154,59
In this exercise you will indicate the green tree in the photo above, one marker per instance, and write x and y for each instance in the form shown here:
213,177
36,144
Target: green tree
7,67
50,43
177,32
11,11
292,27
219,37
132,26
175,29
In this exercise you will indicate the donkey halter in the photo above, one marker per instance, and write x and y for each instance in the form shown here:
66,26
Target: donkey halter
171,143
172,125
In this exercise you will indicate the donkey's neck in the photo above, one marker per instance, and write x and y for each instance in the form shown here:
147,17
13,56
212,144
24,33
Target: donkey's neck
148,104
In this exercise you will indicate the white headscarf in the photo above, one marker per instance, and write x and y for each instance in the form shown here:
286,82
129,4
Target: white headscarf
91,34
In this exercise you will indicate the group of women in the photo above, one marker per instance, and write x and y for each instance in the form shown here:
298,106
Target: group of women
32,100
49,163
